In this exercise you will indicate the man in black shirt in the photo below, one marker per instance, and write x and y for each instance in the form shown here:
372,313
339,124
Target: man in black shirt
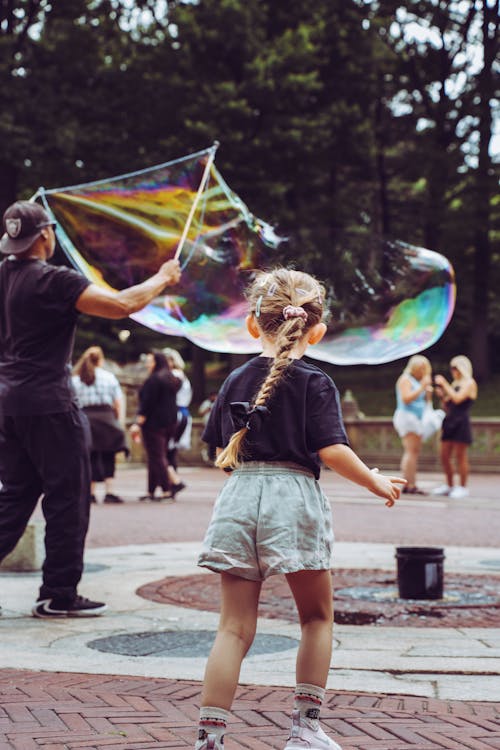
44,437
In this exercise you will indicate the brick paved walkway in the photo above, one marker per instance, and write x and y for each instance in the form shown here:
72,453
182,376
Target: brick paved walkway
93,712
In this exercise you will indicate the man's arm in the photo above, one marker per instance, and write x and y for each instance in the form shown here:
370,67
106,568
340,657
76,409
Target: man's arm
115,305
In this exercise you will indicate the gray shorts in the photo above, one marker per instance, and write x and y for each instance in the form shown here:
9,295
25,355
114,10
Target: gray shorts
269,518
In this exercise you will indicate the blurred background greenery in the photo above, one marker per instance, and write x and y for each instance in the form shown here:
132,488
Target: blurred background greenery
340,122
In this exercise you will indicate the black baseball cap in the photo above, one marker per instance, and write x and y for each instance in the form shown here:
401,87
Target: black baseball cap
23,222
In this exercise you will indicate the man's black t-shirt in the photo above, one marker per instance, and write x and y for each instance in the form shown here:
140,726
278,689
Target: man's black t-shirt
37,328
305,414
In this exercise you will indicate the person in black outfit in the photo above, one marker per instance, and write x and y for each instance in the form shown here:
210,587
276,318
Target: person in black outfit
157,418
458,397
44,436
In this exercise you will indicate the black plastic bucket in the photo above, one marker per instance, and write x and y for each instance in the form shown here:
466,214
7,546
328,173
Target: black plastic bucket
420,572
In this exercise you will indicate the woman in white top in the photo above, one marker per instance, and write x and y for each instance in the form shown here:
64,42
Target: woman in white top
100,396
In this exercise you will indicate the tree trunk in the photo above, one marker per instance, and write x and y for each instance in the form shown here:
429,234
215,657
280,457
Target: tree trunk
8,185
483,190
198,357
384,227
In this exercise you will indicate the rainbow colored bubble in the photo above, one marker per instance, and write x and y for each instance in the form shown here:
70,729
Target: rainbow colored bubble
118,231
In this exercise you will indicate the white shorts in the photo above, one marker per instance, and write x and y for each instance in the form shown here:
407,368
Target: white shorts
405,422
268,519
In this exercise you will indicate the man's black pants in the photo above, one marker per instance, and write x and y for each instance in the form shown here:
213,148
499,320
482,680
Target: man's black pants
47,454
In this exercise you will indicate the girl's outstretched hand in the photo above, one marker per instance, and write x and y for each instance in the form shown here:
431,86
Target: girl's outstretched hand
388,487
342,459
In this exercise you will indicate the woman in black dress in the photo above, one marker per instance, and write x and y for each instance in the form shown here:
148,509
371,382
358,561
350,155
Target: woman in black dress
156,420
458,397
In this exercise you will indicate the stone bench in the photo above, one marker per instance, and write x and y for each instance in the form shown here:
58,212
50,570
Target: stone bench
29,553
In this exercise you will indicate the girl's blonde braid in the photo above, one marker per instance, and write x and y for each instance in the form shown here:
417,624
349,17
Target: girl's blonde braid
287,332
294,330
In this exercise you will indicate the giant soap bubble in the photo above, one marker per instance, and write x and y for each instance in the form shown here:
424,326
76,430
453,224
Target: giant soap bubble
118,231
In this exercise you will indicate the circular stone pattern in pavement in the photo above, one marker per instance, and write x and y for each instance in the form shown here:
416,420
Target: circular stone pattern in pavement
182,643
362,597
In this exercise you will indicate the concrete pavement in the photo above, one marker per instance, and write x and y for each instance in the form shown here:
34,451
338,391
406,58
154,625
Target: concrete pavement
133,544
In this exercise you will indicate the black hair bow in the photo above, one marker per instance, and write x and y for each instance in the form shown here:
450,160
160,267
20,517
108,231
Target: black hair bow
244,415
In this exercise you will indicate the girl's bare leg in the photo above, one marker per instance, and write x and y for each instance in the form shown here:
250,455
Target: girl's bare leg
462,462
411,445
312,591
237,625
109,485
446,455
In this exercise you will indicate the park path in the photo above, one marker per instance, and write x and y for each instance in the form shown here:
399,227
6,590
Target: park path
58,694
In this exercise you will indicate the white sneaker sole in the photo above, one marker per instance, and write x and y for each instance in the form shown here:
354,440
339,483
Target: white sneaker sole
43,611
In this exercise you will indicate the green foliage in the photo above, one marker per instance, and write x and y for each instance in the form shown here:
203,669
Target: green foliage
338,123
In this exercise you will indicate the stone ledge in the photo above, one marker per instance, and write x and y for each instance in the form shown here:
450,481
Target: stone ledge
29,553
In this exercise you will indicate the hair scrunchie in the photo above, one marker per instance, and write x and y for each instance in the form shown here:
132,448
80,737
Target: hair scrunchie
290,311
245,415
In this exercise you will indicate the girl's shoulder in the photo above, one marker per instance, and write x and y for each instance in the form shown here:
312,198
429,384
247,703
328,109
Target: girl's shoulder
255,363
312,377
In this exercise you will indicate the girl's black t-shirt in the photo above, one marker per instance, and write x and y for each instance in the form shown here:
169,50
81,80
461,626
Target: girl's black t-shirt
37,327
304,414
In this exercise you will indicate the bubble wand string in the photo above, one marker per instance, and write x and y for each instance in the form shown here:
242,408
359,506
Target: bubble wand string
201,187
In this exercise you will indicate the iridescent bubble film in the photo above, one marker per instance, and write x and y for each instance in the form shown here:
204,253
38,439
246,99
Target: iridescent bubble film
118,232
399,307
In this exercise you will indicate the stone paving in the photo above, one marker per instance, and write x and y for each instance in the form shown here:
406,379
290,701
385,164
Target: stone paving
362,597
390,688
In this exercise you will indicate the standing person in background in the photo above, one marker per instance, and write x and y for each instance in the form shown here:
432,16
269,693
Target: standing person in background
208,454
100,396
276,419
182,436
413,392
458,397
44,436
157,417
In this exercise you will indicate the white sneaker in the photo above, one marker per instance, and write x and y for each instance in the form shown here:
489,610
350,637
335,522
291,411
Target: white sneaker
303,738
443,489
458,493
209,743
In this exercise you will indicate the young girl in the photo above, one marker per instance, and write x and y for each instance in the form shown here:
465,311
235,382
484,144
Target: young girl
276,418
456,436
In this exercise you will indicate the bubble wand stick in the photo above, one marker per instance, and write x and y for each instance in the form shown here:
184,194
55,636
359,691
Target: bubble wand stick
203,182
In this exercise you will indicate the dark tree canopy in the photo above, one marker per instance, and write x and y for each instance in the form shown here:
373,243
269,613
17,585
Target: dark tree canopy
340,121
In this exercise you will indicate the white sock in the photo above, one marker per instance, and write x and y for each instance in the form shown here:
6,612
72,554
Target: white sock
308,700
213,720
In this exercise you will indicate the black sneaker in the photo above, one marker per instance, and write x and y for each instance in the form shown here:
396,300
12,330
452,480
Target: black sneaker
110,498
175,488
164,498
78,607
